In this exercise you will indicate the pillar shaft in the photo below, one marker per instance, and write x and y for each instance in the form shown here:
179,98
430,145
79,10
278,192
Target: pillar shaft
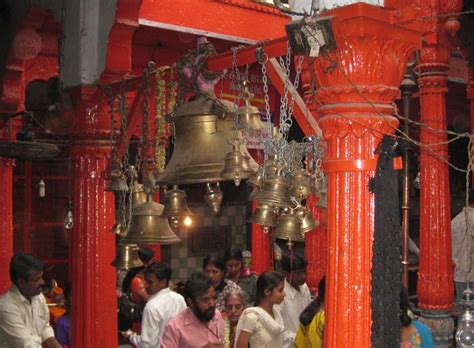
357,84
6,221
435,277
316,246
94,307
262,248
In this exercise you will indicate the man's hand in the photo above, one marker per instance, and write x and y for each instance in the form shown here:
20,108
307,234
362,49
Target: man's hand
52,343
126,334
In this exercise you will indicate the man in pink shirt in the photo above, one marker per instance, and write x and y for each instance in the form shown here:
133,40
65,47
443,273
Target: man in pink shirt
201,324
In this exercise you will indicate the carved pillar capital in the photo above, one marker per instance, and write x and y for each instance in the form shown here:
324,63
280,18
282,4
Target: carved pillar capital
356,85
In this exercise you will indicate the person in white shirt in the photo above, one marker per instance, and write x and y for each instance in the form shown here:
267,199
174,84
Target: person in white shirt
24,315
297,291
162,306
462,243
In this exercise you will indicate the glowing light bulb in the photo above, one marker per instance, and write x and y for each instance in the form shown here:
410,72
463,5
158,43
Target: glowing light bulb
188,221
41,188
465,331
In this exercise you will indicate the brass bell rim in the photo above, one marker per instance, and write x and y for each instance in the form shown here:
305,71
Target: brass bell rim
155,230
29,150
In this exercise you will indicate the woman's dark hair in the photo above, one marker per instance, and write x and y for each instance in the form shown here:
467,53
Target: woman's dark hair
215,260
21,266
267,281
404,306
233,254
196,285
310,311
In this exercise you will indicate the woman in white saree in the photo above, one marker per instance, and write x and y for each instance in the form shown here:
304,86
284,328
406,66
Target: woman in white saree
262,326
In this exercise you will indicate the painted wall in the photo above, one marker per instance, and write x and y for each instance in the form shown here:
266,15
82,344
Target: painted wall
233,215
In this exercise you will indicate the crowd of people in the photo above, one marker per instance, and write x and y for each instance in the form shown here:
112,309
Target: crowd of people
224,305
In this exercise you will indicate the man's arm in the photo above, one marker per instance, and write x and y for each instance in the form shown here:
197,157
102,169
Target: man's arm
150,330
52,343
14,331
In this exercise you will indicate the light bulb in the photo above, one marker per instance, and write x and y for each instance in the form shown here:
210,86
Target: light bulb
465,331
188,221
68,221
41,188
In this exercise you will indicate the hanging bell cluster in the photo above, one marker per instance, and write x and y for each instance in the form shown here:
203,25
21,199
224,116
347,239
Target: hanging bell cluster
280,200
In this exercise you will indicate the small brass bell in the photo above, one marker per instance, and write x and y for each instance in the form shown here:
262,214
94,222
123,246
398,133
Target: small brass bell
308,222
127,256
148,226
248,116
300,186
256,179
213,197
271,169
118,180
176,207
288,228
274,192
237,165
264,215
320,190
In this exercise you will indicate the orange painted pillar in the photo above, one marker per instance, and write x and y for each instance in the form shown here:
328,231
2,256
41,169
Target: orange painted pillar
356,85
316,246
94,302
6,221
7,133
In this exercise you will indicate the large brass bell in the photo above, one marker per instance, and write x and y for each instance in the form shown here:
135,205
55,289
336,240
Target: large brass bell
237,165
148,226
274,192
203,127
288,228
300,185
308,222
138,194
176,206
264,215
127,256
213,197
117,179
248,116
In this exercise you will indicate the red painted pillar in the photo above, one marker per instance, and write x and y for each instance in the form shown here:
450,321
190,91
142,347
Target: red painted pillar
316,245
6,221
357,83
94,307
435,277
7,133
262,248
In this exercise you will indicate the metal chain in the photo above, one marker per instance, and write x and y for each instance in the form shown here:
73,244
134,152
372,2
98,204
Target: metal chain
296,84
267,99
123,133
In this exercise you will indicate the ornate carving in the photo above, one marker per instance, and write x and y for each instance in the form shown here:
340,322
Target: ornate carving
254,6
339,126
